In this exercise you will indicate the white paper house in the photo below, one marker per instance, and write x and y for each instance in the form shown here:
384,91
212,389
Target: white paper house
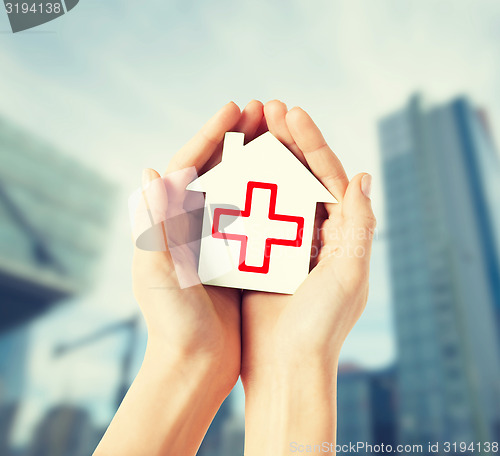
259,219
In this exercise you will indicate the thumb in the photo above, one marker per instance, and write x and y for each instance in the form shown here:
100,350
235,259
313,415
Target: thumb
168,244
150,213
357,204
155,195
358,217
148,175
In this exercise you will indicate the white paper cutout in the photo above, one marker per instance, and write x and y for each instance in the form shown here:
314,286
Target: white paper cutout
265,243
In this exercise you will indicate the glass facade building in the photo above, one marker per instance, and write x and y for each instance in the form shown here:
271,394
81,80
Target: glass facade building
366,407
440,174
53,221
53,217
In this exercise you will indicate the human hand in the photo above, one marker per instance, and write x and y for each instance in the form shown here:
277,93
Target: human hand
193,354
197,323
317,318
291,343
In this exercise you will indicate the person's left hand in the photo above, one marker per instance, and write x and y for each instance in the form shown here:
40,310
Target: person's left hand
196,323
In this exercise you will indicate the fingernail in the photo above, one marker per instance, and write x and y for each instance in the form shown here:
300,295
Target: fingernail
147,177
366,185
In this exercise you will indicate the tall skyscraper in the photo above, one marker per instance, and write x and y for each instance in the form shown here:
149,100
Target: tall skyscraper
66,430
214,439
440,174
365,406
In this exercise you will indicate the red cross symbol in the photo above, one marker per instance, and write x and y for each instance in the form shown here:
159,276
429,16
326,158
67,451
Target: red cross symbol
269,241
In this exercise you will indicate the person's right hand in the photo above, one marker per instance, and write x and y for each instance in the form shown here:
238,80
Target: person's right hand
315,320
291,343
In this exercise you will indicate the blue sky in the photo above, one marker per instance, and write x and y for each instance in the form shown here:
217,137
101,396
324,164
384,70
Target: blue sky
122,85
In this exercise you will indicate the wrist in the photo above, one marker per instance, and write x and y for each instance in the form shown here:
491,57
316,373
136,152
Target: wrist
289,403
290,375
287,367
196,370
168,407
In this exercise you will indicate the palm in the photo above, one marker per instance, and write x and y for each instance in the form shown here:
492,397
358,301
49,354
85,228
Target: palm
298,320
190,320
330,300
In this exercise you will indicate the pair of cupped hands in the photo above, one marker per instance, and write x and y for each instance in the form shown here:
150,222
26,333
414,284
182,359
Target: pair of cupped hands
257,334
285,347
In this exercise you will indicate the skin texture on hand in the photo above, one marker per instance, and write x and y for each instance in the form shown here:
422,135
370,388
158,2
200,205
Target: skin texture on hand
285,346
291,343
194,339
199,321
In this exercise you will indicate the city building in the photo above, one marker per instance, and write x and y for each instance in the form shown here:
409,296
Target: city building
365,406
214,438
440,171
53,218
65,430
54,214
233,436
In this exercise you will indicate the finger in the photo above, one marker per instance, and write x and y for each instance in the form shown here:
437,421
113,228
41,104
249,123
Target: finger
152,240
262,128
321,160
148,175
143,214
155,196
147,230
275,112
250,120
201,147
358,215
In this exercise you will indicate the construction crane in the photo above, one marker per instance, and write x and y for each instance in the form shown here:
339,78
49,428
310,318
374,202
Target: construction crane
131,325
